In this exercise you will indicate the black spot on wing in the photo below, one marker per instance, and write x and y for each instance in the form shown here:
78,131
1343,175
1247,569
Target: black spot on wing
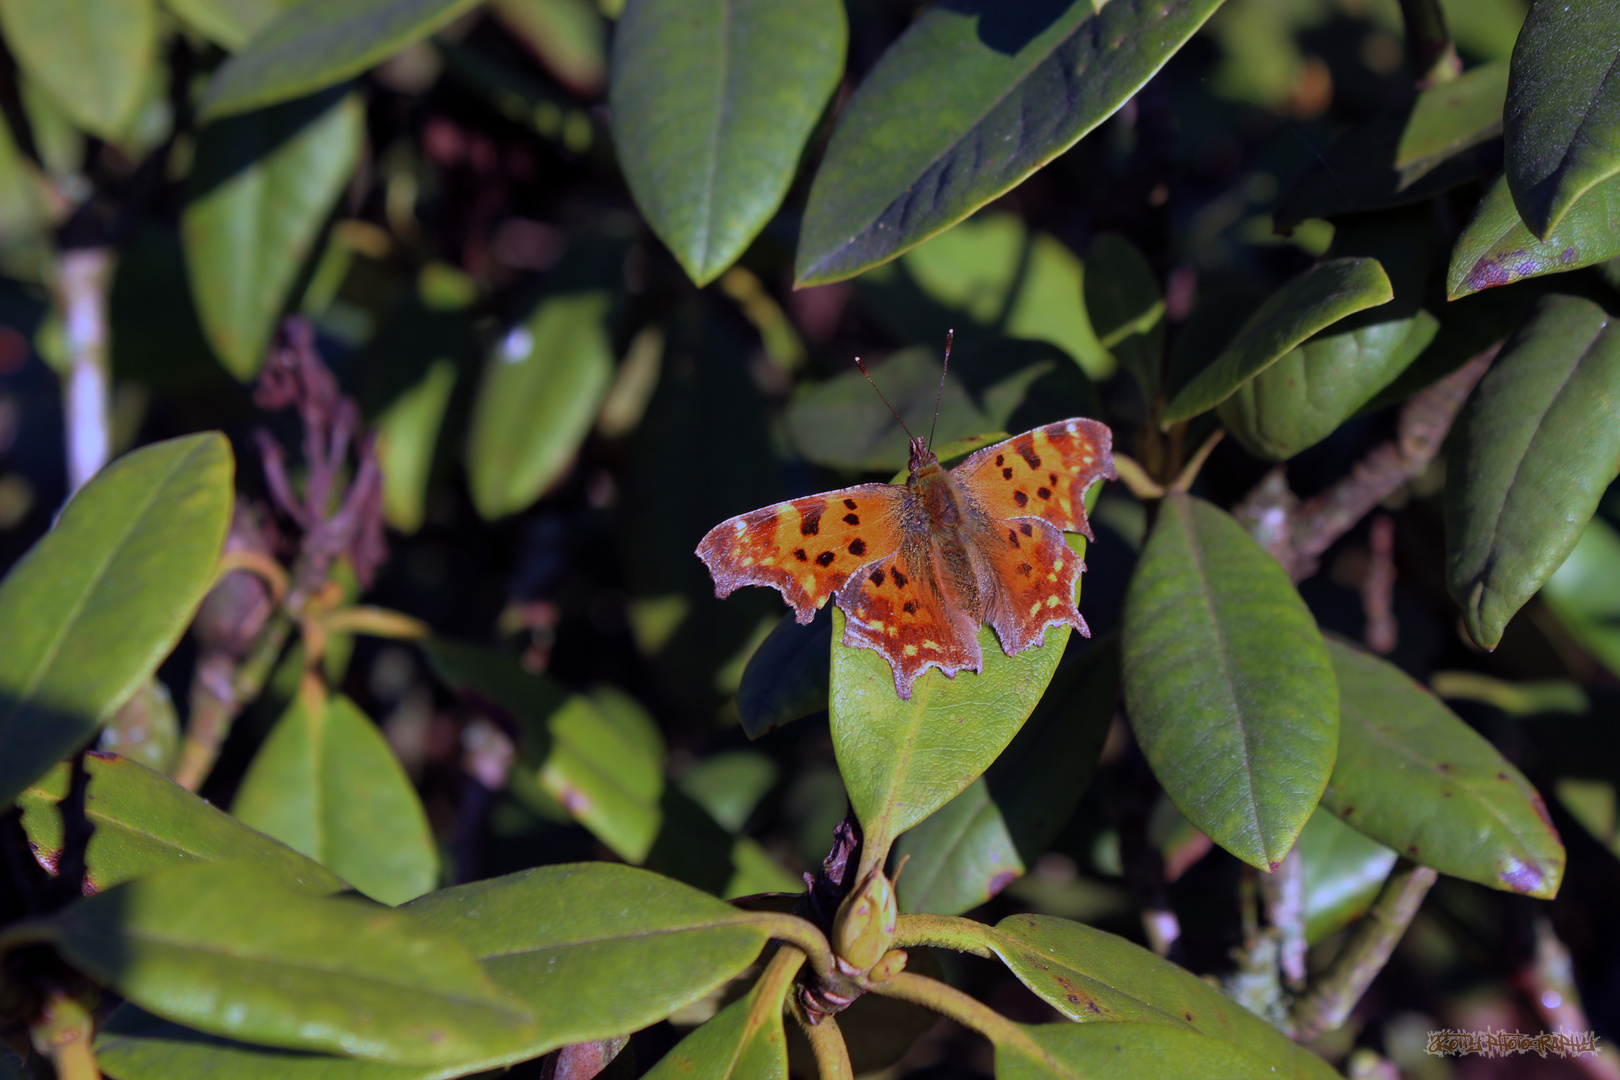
1026,450
1020,498
825,558
1025,569
851,519
849,504
1006,474
909,607
1045,493
1026,528
1012,535
857,546
1000,458
799,553
811,523
899,578
877,577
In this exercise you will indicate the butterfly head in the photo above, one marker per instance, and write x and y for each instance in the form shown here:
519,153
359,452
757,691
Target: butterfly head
922,458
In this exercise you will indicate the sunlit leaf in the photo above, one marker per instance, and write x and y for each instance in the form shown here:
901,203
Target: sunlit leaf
1124,1050
1585,592
1343,873
92,56
229,24
1496,247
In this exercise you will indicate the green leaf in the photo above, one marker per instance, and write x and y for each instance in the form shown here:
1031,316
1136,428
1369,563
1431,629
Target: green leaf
1344,872
1127,312
1414,777
146,728
1124,1051
1585,592
786,677
1446,137
406,437
713,102
98,602
569,940
569,37
289,969
743,1041
308,48
1496,247
92,56
135,1045
145,823
326,783
1008,87
902,760
1089,975
1311,302
541,388
1227,682
230,24
1562,119
261,188
729,785
1530,456
980,841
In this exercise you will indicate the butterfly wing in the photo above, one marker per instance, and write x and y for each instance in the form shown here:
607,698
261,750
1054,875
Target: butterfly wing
808,548
895,608
1041,474
1035,573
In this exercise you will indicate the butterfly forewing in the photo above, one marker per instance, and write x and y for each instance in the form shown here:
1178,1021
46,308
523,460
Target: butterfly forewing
1035,572
807,548
1042,473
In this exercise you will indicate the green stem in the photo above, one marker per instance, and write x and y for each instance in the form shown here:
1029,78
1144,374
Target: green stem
945,932
213,714
827,1043
803,936
968,1011
1329,1000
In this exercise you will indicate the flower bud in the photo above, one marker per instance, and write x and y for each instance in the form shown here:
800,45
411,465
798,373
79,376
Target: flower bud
892,964
864,926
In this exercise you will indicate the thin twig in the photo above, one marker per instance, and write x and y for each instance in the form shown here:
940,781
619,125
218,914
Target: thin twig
1549,980
1378,586
1284,891
82,280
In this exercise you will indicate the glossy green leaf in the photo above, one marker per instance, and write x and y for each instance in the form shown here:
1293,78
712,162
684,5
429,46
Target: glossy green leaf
1090,975
145,822
23,207
1496,247
743,1041
305,49
1127,312
93,607
1227,682
980,841
1585,592
542,385
1562,119
146,728
229,24
135,1045
729,785
1532,452
786,677
1306,305
1414,777
712,104
260,190
1124,1051
92,56
1446,137
289,969
902,760
1343,871
1008,87
568,940
326,783
407,435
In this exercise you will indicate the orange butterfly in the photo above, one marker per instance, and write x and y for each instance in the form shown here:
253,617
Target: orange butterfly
918,567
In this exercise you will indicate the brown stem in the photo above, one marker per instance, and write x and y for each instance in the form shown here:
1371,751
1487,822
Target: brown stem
219,691
1378,586
1330,999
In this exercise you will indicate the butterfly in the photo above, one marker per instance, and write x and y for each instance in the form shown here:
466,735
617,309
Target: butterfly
918,567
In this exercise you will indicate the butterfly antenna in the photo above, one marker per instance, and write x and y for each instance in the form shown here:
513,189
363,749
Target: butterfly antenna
862,365
939,395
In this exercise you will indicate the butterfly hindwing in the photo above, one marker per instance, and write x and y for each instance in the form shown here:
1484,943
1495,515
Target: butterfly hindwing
1042,473
808,548
1035,572
896,609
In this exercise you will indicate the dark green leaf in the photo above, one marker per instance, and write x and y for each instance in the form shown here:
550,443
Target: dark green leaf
743,1041
145,728
326,783
310,48
145,823
1127,312
569,37
1585,592
902,760
1415,778
712,103
407,435
786,677
542,385
261,188
1562,119
730,785
1344,871
1531,454
289,969
100,600
229,24
92,56
1227,682
1311,302
1496,247
1447,137
1008,87
1091,975
980,841
1125,1051
569,941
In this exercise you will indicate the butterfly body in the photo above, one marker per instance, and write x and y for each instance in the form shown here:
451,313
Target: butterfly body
918,568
